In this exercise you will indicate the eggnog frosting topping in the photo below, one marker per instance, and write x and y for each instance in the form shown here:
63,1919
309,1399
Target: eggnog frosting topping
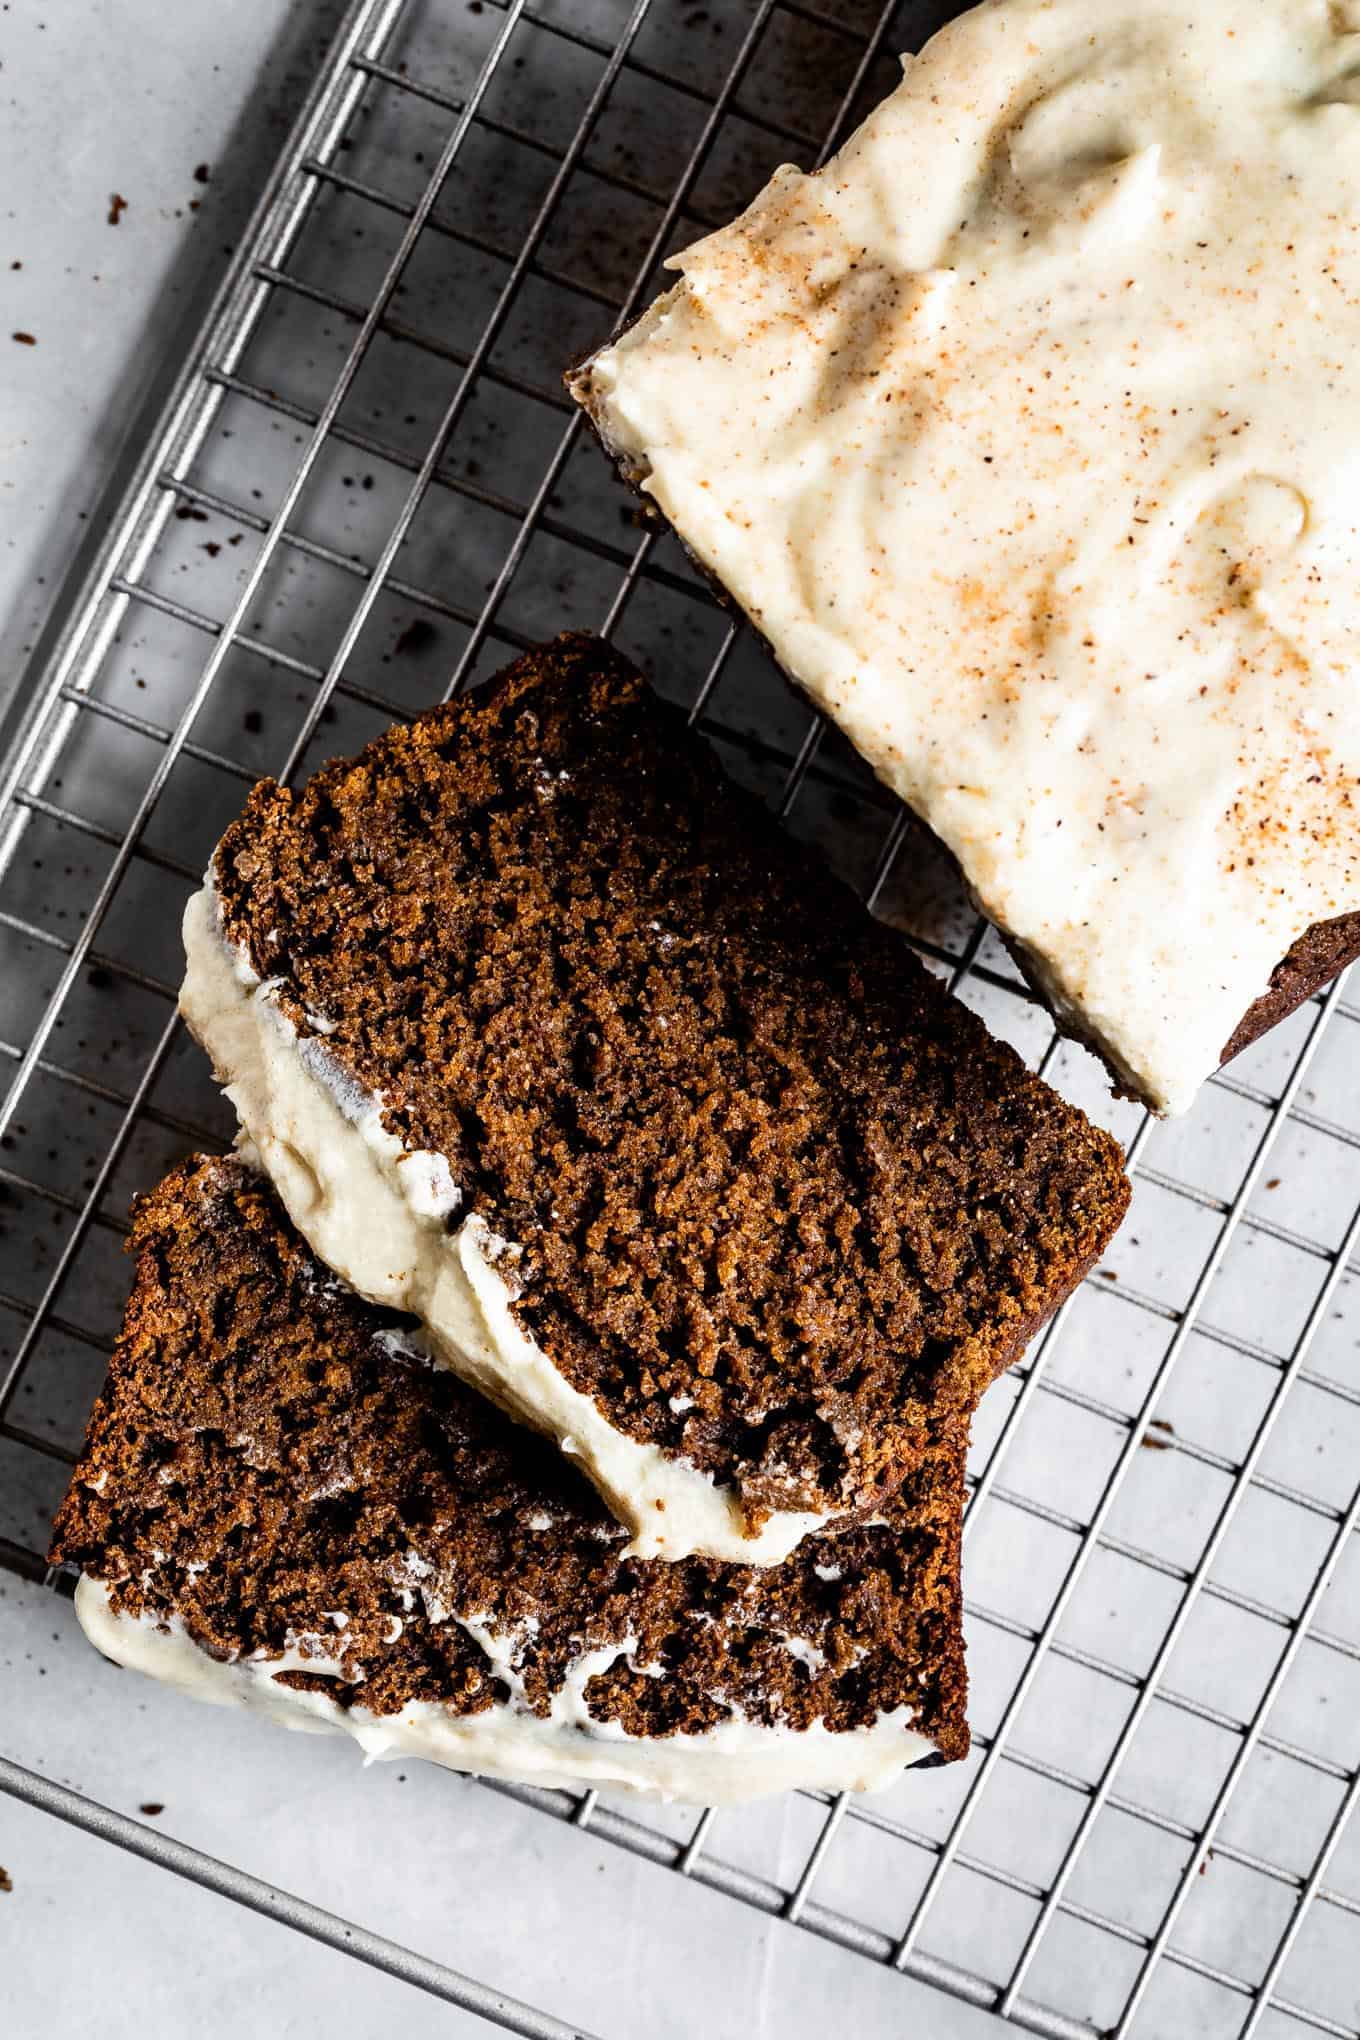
1028,433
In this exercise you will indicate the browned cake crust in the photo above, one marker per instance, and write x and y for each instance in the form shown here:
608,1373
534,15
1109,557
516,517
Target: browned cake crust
1321,953
759,1164
268,1450
1318,956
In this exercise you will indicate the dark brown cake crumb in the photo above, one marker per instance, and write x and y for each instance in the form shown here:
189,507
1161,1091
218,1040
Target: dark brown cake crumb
272,1459
782,1203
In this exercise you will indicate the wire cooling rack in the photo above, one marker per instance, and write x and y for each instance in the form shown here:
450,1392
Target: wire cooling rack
367,488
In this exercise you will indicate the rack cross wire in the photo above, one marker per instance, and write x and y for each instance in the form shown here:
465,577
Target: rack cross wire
365,486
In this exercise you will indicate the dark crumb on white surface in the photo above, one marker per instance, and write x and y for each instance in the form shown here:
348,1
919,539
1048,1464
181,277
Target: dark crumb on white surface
417,637
6,1881
118,205
151,1807
1159,1435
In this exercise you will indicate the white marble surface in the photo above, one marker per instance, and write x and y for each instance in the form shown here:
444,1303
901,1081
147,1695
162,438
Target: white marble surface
129,96
97,98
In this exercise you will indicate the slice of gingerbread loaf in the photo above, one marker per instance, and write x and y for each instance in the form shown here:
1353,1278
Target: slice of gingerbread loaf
551,1038
284,1505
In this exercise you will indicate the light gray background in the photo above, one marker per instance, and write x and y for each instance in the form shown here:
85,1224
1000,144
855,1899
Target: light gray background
127,98
98,97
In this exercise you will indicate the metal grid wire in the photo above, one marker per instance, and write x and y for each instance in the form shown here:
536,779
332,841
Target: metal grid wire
367,487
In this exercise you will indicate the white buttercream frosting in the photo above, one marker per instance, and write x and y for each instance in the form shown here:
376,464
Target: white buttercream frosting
380,1217
1028,432
736,1760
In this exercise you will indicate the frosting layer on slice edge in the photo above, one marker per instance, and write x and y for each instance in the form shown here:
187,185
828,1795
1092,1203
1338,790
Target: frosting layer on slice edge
378,1216
734,1761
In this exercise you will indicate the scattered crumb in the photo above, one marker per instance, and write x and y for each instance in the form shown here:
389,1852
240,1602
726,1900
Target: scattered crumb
252,722
1162,1441
202,173
211,548
6,1881
1107,1274
1274,1183
151,1807
118,205
24,339
418,636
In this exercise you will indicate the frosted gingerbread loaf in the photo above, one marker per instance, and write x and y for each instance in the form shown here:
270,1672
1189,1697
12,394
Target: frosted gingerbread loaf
1025,433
